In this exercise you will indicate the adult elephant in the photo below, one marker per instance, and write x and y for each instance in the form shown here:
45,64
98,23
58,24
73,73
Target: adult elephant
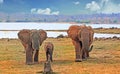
31,40
82,38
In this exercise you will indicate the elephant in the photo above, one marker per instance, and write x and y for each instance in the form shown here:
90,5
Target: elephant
31,40
47,68
82,38
49,47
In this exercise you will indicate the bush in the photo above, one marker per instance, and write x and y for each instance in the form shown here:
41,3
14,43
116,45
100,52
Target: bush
60,36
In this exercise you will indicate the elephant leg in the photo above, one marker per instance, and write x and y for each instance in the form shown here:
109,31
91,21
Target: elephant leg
29,56
81,54
51,57
77,51
46,56
84,57
87,54
36,56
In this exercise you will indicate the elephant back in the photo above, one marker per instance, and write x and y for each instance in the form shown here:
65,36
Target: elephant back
35,39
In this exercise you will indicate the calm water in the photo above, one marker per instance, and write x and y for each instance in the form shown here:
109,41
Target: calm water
48,26
13,34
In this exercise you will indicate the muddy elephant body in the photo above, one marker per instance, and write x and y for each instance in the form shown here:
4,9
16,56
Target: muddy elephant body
31,40
82,38
49,47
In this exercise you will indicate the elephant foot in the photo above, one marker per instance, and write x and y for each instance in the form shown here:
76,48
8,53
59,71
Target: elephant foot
51,60
78,60
36,62
29,63
84,59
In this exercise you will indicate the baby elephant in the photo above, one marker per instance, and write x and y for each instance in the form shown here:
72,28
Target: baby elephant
47,68
49,50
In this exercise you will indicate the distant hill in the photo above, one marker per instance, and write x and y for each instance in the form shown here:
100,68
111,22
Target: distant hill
93,18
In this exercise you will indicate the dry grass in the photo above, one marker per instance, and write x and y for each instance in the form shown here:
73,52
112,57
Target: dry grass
104,59
108,30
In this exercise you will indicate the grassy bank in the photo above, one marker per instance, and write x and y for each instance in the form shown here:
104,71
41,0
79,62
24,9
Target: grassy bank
108,30
96,30
104,58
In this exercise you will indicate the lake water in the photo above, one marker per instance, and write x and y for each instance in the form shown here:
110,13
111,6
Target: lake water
13,34
48,26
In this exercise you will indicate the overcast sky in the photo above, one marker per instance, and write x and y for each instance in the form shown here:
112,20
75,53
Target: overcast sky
60,7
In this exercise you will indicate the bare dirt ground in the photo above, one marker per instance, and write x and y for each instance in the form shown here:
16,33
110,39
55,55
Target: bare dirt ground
104,58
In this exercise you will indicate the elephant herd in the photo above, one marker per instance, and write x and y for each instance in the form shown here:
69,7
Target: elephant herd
82,38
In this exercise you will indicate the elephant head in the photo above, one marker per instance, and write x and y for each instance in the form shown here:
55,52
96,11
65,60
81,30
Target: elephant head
85,35
31,40
81,38
84,38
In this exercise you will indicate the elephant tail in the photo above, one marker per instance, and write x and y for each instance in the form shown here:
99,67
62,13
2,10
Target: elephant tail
90,48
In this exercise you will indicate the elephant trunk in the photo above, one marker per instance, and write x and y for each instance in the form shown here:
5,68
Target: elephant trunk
85,40
85,44
35,44
35,40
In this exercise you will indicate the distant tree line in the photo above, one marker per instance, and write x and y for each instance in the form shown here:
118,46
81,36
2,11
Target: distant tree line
92,18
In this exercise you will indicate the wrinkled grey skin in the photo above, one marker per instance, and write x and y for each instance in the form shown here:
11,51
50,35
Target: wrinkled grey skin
49,47
31,40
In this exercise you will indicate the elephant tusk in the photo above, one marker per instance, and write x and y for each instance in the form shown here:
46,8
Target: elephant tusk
90,49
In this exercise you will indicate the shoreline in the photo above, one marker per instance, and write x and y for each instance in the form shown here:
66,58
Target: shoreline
95,39
96,30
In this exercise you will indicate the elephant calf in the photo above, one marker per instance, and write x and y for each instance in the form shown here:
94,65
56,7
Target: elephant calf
47,68
49,50
31,40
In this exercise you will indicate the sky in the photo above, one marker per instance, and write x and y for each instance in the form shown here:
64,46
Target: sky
60,7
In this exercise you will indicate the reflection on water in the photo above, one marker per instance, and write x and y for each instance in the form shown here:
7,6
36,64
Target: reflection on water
13,34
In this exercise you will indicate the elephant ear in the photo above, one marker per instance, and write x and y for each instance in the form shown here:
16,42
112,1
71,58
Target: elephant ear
24,36
73,32
35,39
43,36
79,35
